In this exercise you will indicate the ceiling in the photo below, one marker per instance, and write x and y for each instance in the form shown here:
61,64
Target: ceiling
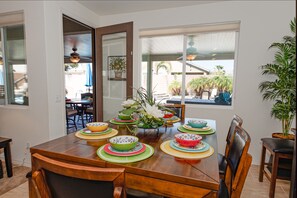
78,35
120,7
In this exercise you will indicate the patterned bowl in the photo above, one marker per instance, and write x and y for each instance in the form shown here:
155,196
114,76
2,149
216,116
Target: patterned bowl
97,126
197,123
187,139
123,142
124,116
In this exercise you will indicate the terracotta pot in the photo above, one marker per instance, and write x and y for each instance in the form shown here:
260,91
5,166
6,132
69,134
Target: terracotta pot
118,74
281,135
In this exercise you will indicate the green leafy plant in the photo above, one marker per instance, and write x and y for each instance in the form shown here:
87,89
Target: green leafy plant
146,109
175,88
282,90
199,84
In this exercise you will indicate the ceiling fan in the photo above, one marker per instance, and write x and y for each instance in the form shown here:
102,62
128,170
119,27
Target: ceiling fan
191,52
74,56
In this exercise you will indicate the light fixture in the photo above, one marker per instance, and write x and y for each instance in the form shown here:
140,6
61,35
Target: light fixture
74,57
191,51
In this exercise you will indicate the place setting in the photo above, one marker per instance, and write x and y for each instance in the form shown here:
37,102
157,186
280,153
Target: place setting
96,131
170,118
187,146
123,119
125,149
196,127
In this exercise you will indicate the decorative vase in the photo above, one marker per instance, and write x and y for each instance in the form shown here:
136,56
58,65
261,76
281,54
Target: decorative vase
118,74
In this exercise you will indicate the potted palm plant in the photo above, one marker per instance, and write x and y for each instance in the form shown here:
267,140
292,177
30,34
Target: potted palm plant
282,89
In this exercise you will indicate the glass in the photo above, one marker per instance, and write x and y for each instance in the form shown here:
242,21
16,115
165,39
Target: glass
113,73
2,87
209,72
15,65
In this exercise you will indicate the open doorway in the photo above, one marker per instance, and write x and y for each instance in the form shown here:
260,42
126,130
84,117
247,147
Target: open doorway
79,68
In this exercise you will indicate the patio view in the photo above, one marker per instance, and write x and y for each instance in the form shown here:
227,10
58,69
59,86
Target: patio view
209,68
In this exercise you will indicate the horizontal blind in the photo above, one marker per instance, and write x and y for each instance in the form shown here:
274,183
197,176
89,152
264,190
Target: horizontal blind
229,26
11,18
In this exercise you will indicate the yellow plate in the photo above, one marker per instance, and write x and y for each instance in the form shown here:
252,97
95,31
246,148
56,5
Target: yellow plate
207,128
165,147
96,137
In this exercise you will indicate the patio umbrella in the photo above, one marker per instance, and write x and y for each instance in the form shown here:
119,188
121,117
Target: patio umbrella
89,79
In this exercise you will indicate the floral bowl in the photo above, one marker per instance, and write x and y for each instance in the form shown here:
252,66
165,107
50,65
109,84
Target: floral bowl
168,115
197,123
124,116
123,142
187,139
97,126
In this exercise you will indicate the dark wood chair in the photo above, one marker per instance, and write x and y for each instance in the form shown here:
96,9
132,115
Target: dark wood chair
238,164
71,118
236,121
54,178
179,109
5,143
280,163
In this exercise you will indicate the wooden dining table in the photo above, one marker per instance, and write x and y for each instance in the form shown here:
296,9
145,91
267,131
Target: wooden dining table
160,174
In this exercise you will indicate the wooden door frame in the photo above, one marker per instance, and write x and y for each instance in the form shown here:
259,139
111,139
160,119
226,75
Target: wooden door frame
98,84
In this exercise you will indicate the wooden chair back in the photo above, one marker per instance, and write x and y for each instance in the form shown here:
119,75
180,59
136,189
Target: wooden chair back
236,121
238,162
54,178
179,109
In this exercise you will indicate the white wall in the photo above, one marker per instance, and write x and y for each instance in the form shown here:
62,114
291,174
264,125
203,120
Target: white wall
262,22
44,119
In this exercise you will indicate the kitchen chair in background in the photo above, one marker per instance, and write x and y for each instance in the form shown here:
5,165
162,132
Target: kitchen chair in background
71,118
54,178
236,121
179,109
280,164
238,164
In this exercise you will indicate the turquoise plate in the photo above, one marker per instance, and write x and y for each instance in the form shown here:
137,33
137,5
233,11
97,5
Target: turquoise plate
125,159
176,146
182,129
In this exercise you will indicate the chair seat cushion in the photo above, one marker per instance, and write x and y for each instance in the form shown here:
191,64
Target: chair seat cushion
222,163
223,191
279,145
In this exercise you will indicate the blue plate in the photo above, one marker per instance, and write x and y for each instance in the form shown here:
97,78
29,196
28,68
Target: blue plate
197,149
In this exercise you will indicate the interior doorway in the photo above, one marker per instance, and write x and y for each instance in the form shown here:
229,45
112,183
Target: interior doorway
79,61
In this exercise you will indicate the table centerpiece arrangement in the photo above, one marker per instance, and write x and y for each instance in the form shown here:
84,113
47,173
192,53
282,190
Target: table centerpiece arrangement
145,109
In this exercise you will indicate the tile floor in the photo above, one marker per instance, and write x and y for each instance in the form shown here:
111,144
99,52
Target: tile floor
252,187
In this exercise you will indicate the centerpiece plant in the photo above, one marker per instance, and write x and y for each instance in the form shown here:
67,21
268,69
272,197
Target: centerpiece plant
145,108
282,89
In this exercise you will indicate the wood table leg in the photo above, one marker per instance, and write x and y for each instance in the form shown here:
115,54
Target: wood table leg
262,164
8,162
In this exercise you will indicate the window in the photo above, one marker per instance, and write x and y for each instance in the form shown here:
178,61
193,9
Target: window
13,66
193,65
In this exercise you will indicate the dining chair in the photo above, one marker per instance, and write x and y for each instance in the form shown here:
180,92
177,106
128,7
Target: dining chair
238,164
179,109
236,121
71,118
59,179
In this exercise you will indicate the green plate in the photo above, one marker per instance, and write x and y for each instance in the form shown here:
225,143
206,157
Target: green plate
125,159
182,129
122,123
83,132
